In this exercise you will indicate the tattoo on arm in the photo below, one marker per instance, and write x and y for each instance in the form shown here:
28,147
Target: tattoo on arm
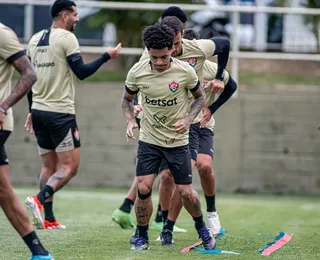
24,84
127,106
142,216
197,104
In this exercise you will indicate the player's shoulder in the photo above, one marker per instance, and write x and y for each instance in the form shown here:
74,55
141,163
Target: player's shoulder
62,34
179,64
140,67
36,37
6,31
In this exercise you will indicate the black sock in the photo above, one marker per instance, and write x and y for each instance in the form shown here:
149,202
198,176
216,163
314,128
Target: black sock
198,222
168,225
211,203
164,215
48,211
34,244
143,231
127,205
159,214
45,193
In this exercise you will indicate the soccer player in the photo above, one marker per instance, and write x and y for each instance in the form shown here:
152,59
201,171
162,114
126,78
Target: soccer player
122,214
165,84
13,56
195,52
57,60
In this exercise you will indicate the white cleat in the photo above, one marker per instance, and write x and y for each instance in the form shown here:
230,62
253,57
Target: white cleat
214,223
35,208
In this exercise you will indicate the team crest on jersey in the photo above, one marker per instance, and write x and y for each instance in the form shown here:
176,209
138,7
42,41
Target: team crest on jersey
192,62
174,86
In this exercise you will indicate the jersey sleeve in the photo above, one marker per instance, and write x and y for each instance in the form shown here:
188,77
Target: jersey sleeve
10,46
71,44
145,55
193,82
131,86
207,46
210,72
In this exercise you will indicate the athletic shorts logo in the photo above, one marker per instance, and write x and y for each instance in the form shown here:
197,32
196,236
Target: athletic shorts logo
174,86
192,62
77,134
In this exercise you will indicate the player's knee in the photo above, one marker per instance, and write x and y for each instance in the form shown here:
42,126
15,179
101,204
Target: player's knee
166,178
6,194
185,191
144,194
205,169
74,173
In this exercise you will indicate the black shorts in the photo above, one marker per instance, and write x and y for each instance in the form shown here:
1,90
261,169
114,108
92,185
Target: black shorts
3,155
206,142
194,140
55,131
178,159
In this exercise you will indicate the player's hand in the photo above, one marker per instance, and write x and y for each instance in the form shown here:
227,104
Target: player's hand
114,51
28,124
2,118
137,109
217,86
206,113
182,125
129,134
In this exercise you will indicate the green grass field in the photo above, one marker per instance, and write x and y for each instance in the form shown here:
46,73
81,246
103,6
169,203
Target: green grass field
91,234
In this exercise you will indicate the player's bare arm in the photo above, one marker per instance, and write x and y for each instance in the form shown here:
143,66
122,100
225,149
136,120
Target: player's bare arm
128,112
183,125
27,79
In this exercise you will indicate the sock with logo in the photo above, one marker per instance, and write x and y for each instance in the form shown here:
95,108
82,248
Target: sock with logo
159,214
48,211
45,193
127,205
34,244
169,225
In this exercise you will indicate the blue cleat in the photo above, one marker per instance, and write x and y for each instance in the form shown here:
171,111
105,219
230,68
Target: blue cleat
140,244
41,257
208,241
134,237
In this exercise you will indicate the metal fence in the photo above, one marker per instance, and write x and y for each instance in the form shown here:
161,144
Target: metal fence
235,54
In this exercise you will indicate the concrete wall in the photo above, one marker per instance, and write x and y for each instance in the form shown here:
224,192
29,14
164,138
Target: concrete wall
266,140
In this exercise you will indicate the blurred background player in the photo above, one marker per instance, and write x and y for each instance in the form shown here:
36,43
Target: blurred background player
13,56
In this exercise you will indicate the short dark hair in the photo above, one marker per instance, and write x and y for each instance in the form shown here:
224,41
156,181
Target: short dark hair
61,5
175,11
191,34
158,36
174,23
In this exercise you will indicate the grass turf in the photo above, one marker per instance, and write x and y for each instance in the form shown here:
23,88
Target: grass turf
91,234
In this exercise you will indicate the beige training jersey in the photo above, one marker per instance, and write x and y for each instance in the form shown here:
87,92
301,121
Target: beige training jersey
165,100
54,91
195,53
209,74
9,46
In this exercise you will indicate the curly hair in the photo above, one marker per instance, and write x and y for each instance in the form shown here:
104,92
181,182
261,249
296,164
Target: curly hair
191,34
175,11
61,5
174,23
158,36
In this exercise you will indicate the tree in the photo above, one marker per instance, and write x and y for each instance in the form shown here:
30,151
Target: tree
129,24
